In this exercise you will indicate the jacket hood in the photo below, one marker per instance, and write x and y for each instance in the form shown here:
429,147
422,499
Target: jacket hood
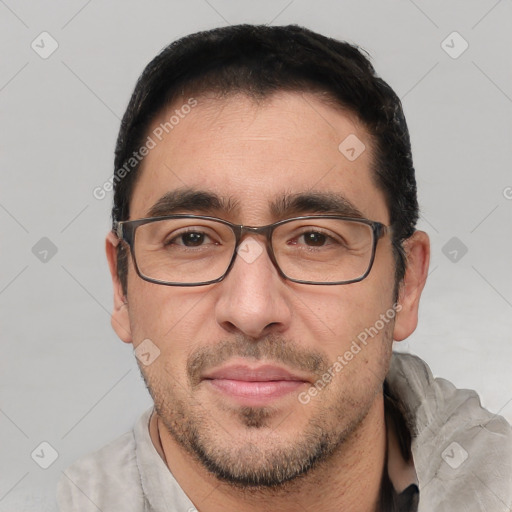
462,452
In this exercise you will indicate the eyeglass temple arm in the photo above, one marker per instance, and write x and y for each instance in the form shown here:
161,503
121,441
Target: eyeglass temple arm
117,228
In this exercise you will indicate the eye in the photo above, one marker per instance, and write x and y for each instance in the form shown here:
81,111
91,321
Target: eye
314,238
191,238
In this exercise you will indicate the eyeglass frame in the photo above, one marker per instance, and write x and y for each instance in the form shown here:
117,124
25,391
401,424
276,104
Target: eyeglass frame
125,231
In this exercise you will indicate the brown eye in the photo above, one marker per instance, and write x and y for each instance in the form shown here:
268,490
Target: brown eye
192,239
314,239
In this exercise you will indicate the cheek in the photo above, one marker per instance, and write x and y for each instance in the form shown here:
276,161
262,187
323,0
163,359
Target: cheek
146,313
335,316
354,326
171,319
154,309
360,364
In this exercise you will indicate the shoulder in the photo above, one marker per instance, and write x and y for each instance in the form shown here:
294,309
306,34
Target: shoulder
433,402
107,479
457,444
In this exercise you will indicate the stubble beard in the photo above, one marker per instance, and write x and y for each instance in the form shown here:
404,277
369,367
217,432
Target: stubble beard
262,460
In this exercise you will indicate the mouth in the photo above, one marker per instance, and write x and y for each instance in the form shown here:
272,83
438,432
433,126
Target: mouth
254,386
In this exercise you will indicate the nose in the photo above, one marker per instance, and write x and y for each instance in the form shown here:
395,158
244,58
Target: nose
253,296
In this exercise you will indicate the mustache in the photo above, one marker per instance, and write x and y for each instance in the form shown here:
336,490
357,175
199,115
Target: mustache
272,348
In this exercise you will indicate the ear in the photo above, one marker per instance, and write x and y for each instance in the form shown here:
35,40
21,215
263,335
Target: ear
417,250
120,318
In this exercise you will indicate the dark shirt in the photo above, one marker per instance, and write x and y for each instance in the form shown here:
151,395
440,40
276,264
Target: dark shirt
390,499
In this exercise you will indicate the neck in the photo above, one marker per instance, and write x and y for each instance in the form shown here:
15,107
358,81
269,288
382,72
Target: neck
349,480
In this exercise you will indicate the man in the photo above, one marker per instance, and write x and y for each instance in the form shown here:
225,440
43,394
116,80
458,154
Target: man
264,257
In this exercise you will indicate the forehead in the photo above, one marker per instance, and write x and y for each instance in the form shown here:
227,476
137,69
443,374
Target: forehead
256,158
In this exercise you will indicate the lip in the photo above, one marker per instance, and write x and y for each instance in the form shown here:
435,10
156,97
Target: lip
254,385
262,373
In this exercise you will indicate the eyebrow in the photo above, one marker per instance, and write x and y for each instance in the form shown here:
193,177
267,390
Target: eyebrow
314,202
191,200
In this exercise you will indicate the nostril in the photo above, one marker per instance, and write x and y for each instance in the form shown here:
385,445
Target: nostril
229,327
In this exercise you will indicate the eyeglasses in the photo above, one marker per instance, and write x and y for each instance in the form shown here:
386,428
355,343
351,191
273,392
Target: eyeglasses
194,250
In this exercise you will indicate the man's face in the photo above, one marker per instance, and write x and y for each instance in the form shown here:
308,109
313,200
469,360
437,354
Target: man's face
221,344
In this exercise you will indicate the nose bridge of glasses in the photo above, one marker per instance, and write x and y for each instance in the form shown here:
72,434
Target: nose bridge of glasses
264,231
258,230
245,231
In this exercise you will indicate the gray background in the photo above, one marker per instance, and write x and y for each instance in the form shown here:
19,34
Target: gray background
64,376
